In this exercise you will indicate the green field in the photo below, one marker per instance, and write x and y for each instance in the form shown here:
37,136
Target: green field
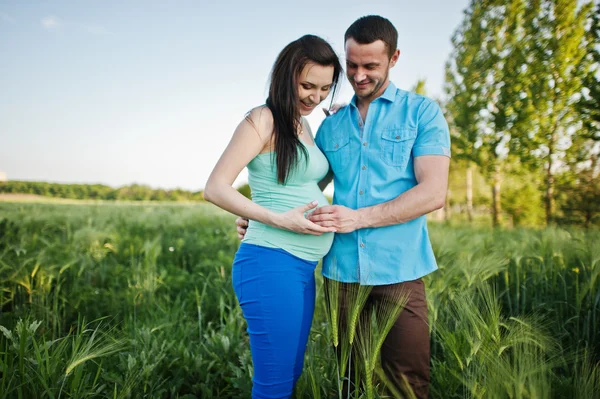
122,300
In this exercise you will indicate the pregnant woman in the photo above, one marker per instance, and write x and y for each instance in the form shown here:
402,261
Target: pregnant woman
273,270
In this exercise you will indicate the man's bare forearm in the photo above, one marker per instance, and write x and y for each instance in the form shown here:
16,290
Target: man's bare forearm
418,201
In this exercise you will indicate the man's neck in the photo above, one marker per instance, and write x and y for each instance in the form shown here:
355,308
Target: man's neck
363,103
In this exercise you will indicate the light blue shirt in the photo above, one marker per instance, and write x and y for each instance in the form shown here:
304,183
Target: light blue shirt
372,163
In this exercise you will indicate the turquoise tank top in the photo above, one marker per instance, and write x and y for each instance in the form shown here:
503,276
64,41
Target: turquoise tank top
301,188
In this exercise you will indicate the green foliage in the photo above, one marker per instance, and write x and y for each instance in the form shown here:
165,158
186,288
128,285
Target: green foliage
245,191
491,355
458,188
588,105
419,87
522,199
134,192
580,203
512,312
70,365
140,265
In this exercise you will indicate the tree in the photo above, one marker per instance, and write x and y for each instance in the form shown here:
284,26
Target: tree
586,144
464,91
556,43
581,205
579,184
419,87
484,82
444,212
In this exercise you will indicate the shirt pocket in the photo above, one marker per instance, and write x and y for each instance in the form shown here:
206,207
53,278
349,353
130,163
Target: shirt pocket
337,151
396,146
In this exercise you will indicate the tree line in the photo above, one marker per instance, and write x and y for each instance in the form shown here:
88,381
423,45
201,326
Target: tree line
523,103
133,192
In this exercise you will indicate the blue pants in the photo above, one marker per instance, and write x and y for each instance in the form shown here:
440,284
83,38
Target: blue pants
276,291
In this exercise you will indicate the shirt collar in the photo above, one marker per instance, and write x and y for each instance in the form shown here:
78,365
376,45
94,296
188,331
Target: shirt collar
389,94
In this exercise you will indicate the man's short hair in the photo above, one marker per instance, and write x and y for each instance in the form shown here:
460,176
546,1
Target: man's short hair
371,28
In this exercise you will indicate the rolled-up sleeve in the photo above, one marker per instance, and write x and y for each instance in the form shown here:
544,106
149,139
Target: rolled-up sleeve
433,136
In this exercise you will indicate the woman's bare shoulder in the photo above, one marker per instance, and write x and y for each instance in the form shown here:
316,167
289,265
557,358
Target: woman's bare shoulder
261,119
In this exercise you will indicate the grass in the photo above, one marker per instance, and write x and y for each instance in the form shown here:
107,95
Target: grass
135,301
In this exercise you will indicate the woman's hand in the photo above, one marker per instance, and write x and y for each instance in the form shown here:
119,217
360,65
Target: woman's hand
293,220
241,225
296,221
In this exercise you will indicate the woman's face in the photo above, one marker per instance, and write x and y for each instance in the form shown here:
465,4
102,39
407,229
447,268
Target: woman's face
314,84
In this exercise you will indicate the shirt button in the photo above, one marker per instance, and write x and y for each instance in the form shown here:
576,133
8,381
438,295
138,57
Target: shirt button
365,144
362,245
364,167
361,192
337,145
397,137
360,123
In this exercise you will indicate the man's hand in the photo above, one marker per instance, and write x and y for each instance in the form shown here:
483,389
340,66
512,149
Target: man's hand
242,225
296,221
334,108
344,220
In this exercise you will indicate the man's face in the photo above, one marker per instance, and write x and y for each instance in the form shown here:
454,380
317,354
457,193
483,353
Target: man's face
367,68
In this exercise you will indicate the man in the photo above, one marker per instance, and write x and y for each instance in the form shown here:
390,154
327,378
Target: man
389,154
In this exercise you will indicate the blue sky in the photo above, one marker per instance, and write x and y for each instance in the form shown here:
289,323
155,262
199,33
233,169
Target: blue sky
149,92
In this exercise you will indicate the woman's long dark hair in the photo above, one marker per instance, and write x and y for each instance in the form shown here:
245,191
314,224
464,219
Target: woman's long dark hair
283,96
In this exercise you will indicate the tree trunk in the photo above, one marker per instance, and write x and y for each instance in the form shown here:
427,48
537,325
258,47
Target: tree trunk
549,197
588,219
594,167
496,208
550,184
470,192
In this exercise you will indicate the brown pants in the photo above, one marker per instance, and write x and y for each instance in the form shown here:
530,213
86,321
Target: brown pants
405,353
